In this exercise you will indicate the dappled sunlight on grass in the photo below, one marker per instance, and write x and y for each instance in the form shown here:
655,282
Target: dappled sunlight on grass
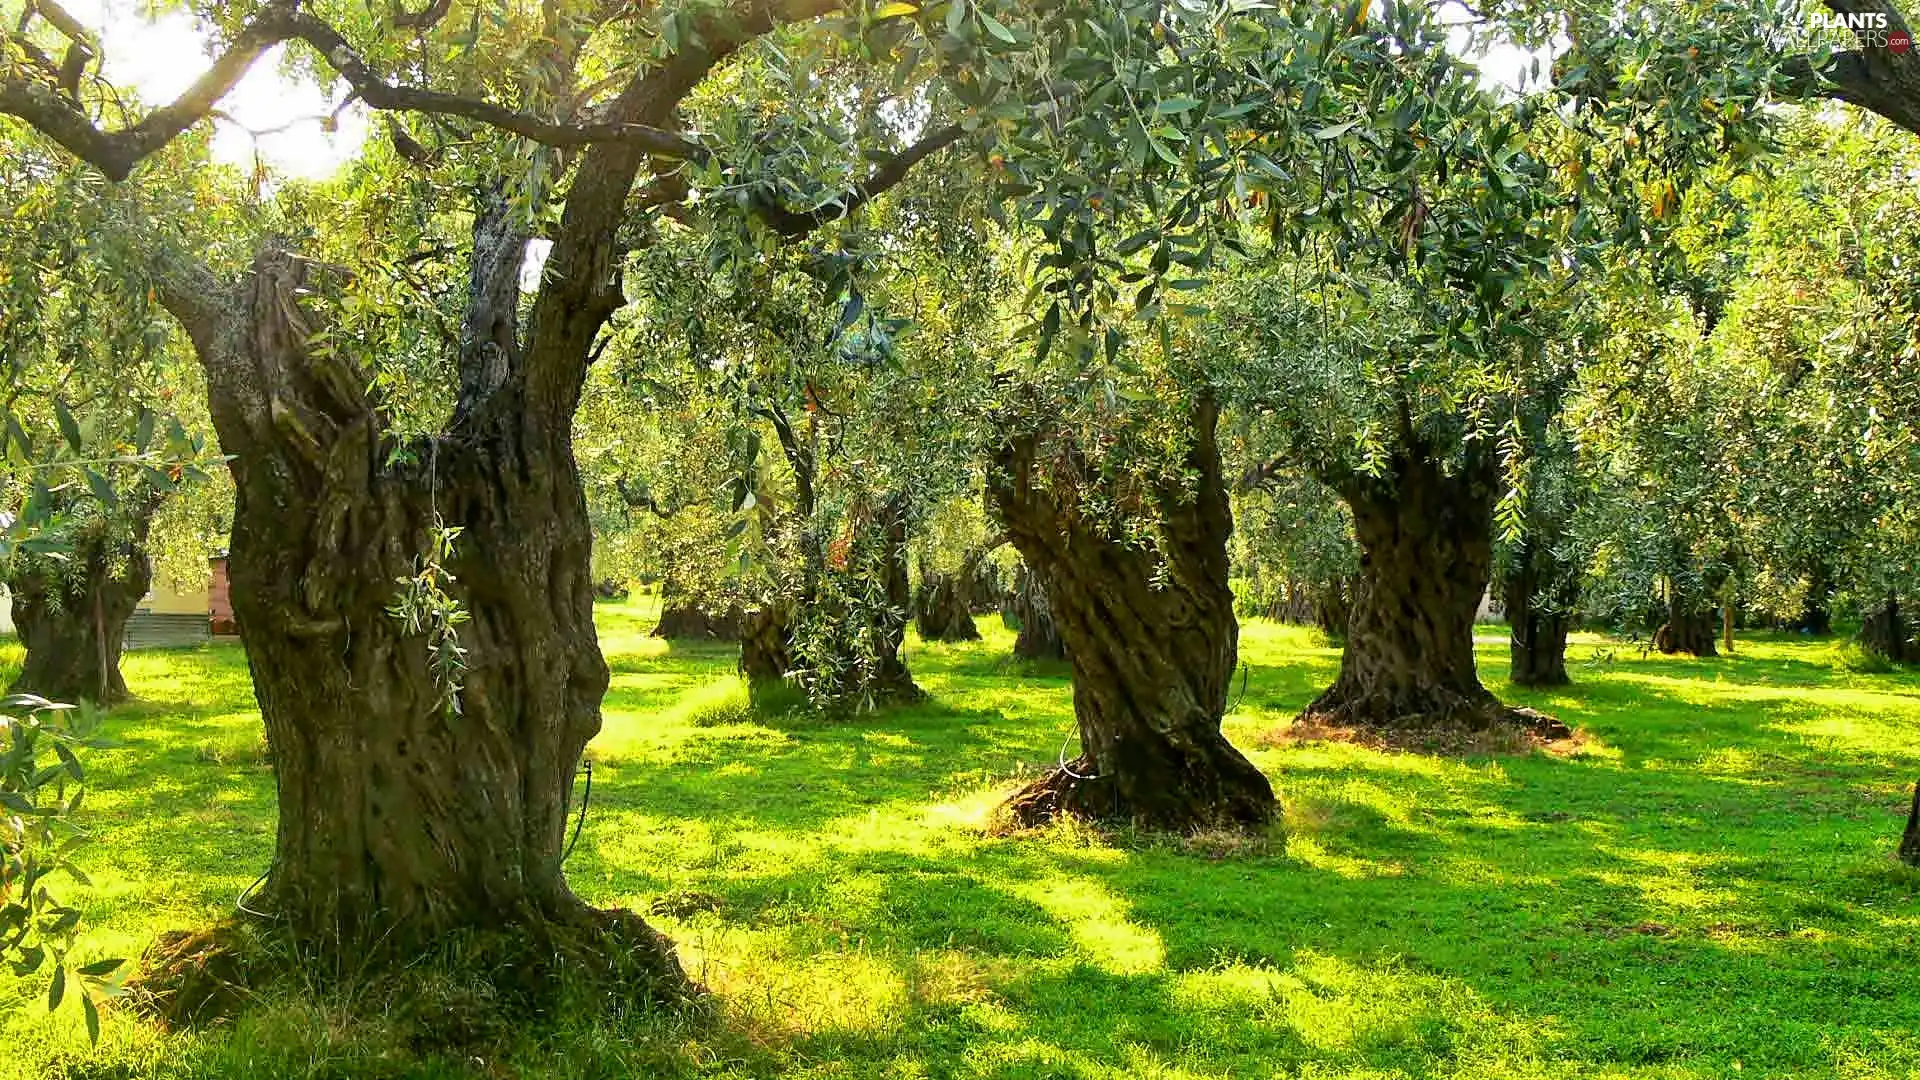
1701,888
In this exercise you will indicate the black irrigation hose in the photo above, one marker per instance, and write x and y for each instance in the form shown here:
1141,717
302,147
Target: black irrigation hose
246,893
1244,671
580,822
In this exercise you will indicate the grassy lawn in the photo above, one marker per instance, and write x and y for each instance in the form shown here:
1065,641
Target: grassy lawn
1704,888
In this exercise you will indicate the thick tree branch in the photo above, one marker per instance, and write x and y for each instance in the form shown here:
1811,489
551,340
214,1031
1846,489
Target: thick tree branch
1873,76
115,153
386,96
792,223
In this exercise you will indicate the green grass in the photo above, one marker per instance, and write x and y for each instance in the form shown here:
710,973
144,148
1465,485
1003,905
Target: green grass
1703,889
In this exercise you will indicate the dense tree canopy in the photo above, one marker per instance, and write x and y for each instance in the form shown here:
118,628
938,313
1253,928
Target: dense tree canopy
762,299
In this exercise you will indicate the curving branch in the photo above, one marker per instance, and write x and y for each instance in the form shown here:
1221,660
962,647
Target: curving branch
1872,77
792,223
115,153
60,117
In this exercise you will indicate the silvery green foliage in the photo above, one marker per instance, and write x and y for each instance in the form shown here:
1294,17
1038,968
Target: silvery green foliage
41,780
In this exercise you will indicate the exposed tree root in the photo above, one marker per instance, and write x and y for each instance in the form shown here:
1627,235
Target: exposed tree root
1225,793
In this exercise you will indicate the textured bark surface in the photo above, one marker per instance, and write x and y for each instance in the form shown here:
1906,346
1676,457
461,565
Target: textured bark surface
945,603
1028,611
1910,840
1689,629
891,680
401,820
1333,607
943,608
71,614
1886,633
766,642
1153,655
688,620
1426,552
1539,594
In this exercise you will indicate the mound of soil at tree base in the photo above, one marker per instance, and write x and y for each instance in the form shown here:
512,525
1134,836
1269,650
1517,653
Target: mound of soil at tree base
1525,732
475,987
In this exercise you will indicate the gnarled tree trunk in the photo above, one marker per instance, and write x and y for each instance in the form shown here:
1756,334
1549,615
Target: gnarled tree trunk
1426,552
891,680
766,642
1153,654
1689,628
1027,611
409,810
1885,633
71,613
685,618
944,605
1540,591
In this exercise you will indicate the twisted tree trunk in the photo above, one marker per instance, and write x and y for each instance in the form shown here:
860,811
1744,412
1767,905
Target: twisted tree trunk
891,680
1426,553
1689,628
71,613
409,807
423,777
1028,611
683,617
1153,643
1540,593
943,607
1885,633
1333,607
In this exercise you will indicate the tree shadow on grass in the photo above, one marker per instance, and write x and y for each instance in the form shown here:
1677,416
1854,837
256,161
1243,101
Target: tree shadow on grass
1705,885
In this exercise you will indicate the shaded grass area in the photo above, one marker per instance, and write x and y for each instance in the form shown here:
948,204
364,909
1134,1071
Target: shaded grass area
1703,888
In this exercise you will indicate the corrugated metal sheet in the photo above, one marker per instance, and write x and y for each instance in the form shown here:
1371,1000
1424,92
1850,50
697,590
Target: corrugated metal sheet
155,630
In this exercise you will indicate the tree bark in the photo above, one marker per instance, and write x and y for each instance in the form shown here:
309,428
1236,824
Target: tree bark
943,608
1885,633
1539,601
1910,840
1426,552
1029,612
408,810
1816,617
685,618
891,680
1333,607
1153,643
71,614
944,605
766,642
1688,629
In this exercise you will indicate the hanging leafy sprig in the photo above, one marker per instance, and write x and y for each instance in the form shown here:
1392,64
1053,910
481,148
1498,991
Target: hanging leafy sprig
426,606
40,790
